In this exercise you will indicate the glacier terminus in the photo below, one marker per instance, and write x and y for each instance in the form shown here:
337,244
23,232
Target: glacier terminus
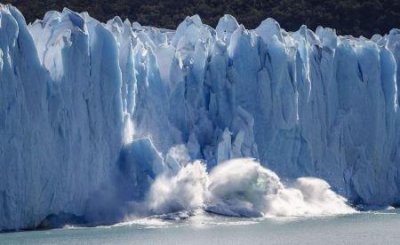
103,121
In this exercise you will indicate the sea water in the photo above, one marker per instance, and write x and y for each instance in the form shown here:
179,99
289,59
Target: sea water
380,227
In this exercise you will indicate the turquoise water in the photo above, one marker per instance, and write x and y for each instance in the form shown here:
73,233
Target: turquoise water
362,228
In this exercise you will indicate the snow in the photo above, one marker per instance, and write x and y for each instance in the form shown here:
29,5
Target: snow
92,114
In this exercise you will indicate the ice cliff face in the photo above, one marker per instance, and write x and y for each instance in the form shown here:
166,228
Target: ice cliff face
91,113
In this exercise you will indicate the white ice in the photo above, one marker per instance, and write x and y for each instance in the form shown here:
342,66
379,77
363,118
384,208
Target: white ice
91,114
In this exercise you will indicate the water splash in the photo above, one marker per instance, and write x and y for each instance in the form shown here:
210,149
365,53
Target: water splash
243,188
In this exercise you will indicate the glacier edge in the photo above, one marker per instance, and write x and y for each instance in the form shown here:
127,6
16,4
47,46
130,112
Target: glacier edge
83,102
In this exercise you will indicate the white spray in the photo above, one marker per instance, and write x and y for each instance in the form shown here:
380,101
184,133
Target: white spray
242,187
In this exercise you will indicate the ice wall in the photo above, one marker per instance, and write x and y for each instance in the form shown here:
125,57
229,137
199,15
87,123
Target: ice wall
61,115
87,108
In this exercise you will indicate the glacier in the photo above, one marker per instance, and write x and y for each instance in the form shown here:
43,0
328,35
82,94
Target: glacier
96,118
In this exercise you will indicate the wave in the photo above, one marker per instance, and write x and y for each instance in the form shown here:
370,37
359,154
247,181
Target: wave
242,188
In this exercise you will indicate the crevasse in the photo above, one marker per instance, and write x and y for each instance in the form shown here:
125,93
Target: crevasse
92,113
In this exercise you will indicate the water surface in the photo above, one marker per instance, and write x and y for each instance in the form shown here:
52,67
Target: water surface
363,228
